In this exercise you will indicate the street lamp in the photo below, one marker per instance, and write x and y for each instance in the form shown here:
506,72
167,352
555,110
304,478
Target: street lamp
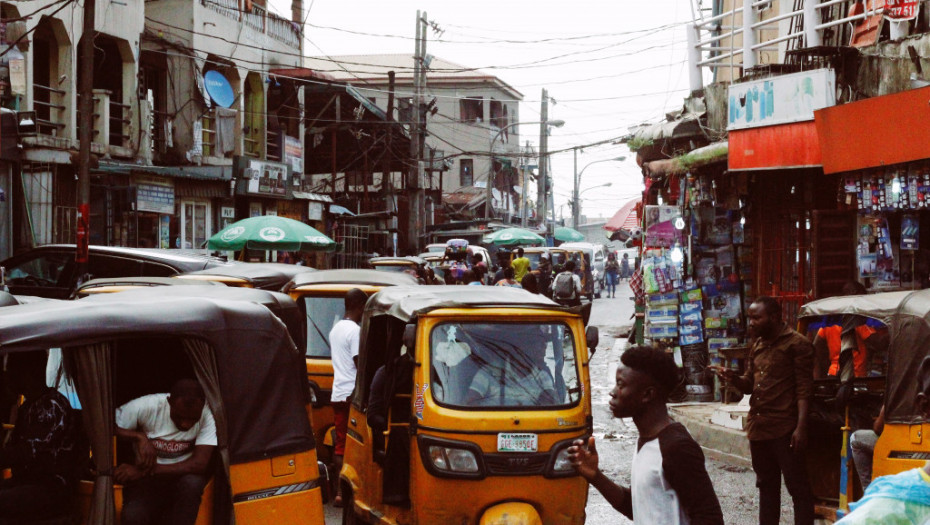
488,208
576,209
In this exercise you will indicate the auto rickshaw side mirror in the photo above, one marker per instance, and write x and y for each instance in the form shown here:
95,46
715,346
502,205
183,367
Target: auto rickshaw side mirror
592,337
410,337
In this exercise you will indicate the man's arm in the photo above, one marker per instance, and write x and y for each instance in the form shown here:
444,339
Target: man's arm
683,468
585,460
804,385
145,452
196,464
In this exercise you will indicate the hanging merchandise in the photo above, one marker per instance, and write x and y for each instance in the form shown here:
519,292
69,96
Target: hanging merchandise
660,226
910,233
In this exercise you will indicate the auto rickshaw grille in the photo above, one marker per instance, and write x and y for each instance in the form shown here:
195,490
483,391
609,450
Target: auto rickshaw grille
902,454
516,464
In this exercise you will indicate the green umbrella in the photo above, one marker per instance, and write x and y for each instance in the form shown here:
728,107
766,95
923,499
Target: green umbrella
512,237
566,234
269,232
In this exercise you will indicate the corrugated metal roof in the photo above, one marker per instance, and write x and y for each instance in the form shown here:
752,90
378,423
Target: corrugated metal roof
363,69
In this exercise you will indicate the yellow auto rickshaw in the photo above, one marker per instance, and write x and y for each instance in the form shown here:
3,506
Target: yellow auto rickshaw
465,403
112,348
880,340
122,284
321,297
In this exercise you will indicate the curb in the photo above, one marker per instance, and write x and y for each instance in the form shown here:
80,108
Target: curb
719,443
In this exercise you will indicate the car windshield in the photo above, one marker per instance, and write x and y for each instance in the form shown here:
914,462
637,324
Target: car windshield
322,314
504,365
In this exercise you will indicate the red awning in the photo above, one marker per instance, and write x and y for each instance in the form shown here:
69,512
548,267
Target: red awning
874,132
783,146
627,218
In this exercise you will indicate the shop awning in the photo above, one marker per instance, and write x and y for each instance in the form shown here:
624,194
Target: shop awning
784,146
878,131
698,158
222,173
308,196
626,218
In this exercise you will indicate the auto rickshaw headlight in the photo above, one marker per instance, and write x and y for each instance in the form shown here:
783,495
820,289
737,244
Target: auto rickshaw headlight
453,459
562,463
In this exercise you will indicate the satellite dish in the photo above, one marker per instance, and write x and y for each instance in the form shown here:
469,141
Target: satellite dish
219,88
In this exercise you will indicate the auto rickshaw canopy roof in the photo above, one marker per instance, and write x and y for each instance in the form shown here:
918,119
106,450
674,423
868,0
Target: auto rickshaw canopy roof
907,316
139,282
407,302
352,276
260,373
409,260
265,276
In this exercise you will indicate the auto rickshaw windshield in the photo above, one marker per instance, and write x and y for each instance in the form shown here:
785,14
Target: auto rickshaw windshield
504,365
322,314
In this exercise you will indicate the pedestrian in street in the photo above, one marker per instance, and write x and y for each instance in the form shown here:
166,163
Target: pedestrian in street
668,481
779,376
544,274
612,273
904,497
343,340
520,265
530,283
566,287
508,279
625,271
469,278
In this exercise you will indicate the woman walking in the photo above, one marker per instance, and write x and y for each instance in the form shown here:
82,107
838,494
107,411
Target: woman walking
612,271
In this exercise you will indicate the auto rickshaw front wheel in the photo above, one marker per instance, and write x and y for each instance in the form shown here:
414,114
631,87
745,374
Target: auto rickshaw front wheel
349,517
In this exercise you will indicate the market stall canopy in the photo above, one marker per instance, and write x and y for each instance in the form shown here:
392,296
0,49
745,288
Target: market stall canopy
512,237
269,232
627,217
566,234
698,158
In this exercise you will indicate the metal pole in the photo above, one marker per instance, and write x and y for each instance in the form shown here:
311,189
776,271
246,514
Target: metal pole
523,184
575,204
811,35
695,79
542,183
749,35
85,135
413,169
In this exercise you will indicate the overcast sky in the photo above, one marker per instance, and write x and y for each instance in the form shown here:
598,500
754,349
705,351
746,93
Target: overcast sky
608,65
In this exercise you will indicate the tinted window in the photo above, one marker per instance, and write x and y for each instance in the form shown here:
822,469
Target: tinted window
322,314
102,266
151,269
42,270
501,365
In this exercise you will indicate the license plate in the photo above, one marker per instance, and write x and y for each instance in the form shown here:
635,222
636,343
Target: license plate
517,443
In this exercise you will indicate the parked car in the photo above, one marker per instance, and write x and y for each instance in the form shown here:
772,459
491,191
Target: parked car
597,254
50,270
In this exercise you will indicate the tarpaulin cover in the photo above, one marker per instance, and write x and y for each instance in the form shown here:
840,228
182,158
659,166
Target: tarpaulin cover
350,276
406,302
261,374
907,315
264,276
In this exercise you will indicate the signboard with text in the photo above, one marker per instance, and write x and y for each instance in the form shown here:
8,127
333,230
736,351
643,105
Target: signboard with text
780,100
154,195
901,10
262,178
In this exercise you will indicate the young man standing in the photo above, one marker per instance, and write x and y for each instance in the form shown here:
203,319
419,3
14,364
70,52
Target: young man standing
520,266
669,484
343,340
566,286
779,376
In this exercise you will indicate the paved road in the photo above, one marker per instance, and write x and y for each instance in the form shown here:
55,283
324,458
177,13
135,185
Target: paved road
735,486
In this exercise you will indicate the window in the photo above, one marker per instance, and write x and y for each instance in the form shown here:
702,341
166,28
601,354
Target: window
471,109
195,224
43,270
104,266
322,314
503,365
499,119
466,172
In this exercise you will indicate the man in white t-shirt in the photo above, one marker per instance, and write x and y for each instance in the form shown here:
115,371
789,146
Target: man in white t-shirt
343,340
174,436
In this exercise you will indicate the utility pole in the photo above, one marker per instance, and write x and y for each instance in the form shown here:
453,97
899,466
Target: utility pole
576,209
542,181
86,105
414,194
386,191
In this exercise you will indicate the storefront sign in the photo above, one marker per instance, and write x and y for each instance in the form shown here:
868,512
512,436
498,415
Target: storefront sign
901,10
910,232
154,195
780,100
227,212
315,211
865,30
294,154
660,226
265,178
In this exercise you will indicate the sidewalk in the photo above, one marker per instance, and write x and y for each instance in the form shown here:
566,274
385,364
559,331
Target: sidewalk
724,444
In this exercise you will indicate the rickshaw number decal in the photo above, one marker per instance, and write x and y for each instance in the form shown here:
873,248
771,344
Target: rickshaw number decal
517,443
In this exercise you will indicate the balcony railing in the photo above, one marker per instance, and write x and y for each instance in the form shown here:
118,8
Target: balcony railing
259,19
50,116
712,41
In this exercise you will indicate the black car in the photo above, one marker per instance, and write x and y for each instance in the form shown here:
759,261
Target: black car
49,271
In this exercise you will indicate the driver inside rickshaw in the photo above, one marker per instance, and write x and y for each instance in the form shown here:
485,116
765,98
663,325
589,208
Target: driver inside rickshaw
519,380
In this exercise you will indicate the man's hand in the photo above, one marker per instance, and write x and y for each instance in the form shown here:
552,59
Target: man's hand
799,439
724,373
584,458
126,473
145,453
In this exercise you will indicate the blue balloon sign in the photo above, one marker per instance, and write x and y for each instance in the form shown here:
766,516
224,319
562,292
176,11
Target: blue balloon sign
219,88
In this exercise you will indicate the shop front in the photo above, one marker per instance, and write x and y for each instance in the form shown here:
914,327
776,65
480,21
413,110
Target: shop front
884,185
263,188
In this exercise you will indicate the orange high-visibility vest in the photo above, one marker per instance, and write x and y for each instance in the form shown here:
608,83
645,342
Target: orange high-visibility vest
832,334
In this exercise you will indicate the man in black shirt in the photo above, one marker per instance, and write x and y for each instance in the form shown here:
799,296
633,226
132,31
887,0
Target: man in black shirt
670,484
